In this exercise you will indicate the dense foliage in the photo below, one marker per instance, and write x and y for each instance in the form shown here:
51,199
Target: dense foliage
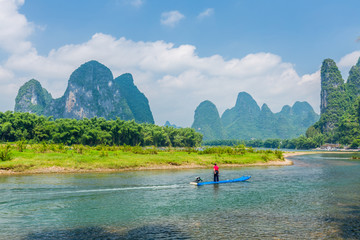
339,121
30,127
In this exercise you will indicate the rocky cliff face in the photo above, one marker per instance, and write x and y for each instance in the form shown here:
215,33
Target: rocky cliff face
331,82
247,121
337,98
91,92
207,121
32,98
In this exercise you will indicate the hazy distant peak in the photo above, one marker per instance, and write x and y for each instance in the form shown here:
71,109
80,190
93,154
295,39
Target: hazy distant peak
244,98
126,78
265,107
301,107
285,109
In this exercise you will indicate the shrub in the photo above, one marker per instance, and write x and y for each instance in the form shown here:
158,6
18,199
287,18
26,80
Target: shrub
21,145
104,154
79,148
279,154
151,151
355,144
5,153
43,147
265,157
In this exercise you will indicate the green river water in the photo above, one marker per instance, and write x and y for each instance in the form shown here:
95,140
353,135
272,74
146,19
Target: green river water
316,198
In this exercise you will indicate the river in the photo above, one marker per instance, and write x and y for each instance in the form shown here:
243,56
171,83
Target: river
316,198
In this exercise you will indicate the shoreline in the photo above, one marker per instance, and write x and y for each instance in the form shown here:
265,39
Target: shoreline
61,170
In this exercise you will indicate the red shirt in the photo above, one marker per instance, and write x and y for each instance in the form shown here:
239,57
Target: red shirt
216,168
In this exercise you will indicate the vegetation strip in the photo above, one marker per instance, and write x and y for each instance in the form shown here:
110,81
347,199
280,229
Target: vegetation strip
95,131
33,158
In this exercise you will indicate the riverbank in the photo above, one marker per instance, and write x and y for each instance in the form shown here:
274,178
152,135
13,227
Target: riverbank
30,162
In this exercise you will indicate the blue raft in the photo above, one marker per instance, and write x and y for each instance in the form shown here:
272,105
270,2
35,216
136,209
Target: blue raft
242,179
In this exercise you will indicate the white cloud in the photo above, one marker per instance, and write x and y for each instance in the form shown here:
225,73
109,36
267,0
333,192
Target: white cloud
207,13
171,18
349,60
14,28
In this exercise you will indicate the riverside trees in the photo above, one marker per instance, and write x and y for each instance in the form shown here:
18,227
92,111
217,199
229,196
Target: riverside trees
15,126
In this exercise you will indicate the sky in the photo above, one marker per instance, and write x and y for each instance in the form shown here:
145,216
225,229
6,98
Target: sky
181,53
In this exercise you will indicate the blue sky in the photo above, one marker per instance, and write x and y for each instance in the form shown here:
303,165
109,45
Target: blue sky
301,32
181,52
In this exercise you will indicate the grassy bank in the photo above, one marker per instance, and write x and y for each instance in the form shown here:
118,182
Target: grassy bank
42,157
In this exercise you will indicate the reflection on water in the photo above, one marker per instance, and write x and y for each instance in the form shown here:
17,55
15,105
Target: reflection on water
216,189
317,198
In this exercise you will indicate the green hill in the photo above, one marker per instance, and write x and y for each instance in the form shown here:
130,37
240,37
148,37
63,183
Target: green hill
339,120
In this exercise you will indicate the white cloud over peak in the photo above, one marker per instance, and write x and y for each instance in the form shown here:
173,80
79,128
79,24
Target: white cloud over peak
206,13
349,60
171,18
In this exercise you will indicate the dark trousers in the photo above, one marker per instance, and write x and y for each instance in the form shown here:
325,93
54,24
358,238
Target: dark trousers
216,176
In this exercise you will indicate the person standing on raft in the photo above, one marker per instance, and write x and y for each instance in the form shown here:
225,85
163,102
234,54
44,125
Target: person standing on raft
216,173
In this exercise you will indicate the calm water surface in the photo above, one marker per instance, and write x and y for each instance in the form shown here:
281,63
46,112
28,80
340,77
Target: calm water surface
317,198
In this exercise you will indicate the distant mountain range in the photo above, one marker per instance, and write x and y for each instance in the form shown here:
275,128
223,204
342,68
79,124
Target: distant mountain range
168,124
246,120
92,91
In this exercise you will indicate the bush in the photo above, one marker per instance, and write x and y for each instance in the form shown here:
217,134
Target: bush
265,157
43,147
279,154
5,153
104,154
79,148
151,151
355,144
21,145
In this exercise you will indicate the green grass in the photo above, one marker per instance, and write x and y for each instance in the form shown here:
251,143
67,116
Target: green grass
118,158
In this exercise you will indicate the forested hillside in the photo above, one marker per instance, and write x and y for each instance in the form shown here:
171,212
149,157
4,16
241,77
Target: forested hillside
340,108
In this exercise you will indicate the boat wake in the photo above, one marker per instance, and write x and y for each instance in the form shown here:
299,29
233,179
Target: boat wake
158,187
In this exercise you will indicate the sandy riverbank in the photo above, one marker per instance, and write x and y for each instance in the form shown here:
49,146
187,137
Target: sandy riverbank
61,170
